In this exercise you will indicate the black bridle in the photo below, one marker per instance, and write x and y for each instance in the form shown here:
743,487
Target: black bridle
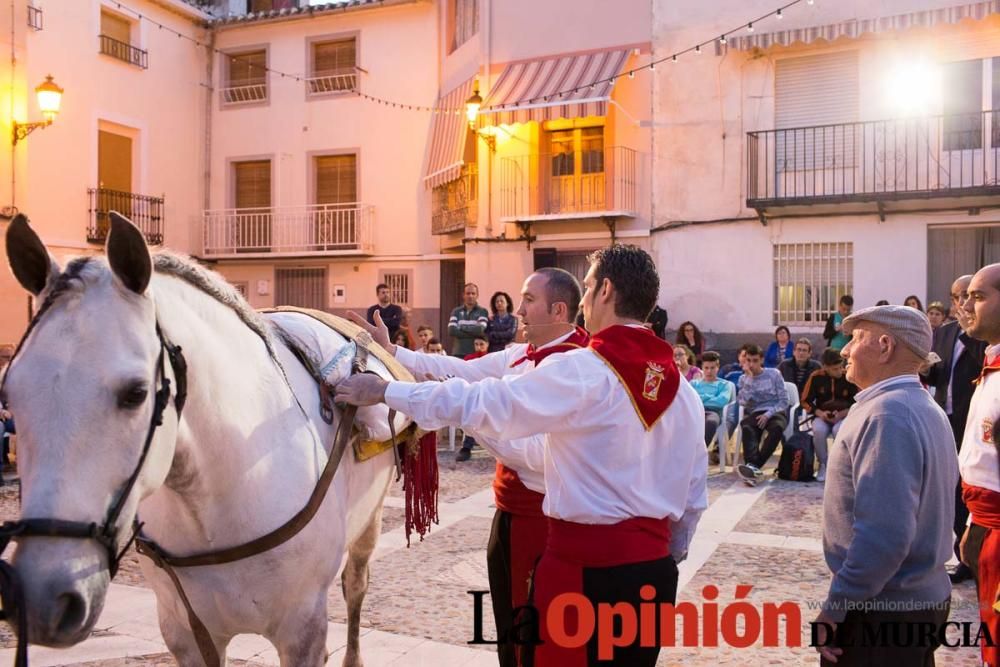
107,533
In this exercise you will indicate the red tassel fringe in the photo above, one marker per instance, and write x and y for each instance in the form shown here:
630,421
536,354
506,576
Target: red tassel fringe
420,484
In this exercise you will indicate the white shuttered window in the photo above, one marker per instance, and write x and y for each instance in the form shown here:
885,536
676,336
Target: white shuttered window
816,93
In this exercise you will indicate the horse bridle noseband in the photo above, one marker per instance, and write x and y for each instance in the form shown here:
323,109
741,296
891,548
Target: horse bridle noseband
106,533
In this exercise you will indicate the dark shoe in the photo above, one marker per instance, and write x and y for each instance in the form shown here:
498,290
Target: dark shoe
960,574
749,474
463,455
713,457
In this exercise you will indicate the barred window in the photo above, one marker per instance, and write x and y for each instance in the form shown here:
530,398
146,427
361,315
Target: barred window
399,287
809,279
305,288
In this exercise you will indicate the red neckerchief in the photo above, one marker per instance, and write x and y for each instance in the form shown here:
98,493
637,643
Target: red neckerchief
579,338
988,368
644,363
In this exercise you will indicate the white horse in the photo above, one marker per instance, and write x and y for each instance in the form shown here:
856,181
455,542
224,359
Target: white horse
239,461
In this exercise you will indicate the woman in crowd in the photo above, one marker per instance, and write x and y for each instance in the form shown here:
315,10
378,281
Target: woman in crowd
780,349
684,358
913,301
502,326
689,336
937,314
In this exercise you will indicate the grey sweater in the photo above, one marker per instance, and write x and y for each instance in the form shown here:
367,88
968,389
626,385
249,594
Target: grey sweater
889,501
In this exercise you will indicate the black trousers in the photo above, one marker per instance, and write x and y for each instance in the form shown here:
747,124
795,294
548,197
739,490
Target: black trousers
961,511
861,633
755,452
498,569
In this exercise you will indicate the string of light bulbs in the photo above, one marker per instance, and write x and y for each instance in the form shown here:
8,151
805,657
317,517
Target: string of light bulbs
696,49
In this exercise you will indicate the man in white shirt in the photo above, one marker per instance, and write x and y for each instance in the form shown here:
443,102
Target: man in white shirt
979,458
623,458
550,299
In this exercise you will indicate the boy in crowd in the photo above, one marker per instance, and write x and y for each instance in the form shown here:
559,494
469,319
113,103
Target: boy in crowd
715,394
765,404
828,396
798,369
424,336
434,346
834,333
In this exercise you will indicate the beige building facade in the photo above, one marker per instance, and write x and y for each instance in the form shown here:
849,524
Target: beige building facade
847,147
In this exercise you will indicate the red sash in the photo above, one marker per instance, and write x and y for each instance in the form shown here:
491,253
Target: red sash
512,496
988,368
644,364
984,505
579,338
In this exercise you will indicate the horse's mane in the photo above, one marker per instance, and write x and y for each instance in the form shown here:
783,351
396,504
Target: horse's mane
212,284
81,270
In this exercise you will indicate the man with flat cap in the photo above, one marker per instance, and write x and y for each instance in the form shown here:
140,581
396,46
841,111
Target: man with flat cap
889,500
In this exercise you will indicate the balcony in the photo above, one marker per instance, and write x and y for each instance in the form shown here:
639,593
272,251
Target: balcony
325,83
572,185
318,229
245,92
936,157
454,204
124,51
145,211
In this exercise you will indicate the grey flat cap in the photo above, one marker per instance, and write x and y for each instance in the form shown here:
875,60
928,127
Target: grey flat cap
908,325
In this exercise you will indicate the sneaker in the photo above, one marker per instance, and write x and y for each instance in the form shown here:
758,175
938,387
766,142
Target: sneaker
960,574
713,457
749,474
821,475
463,455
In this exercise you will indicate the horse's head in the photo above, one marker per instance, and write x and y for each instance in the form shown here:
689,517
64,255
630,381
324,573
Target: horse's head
82,386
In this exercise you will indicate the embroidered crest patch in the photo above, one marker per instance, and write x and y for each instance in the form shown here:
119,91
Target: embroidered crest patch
651,385
988,430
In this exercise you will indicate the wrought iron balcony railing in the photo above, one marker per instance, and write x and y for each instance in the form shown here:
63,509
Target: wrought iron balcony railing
871,161
124,51
454,204
344,229
145,211
562,185
339,81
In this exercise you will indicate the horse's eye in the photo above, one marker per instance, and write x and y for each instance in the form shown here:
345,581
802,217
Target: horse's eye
132,396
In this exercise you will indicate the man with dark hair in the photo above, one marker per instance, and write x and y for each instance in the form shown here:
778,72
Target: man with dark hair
657,321
467,321
798,369
828,396
619,515
834,330
390,313
953,381
765,404
550,299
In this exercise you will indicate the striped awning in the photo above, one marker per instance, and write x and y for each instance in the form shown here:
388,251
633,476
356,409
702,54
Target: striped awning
448,133
857,27
558,87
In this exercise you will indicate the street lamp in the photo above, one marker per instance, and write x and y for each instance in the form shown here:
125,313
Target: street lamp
472,106
49,97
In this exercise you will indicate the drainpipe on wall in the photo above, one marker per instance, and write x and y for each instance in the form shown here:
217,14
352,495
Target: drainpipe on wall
209,99
489,86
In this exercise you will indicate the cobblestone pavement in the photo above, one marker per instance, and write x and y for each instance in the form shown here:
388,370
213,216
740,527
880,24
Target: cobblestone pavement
767,538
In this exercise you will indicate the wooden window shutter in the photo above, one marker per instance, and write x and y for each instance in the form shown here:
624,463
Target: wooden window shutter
336,179
247,68
335,57
116,27
253,184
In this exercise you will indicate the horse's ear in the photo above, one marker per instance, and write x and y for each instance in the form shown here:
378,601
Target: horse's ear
29,260
128,254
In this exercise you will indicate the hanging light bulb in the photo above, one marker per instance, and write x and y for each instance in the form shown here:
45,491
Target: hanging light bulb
674,57
722,40
750,27
697,49
779,14
652,67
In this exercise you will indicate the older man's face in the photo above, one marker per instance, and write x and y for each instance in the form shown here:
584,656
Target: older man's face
982,309
862,354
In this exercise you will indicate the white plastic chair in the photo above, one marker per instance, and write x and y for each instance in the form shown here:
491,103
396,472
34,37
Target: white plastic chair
737,440
721,438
